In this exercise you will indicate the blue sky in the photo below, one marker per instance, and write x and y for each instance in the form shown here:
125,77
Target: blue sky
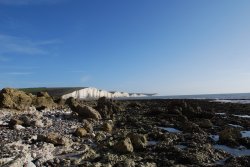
166,46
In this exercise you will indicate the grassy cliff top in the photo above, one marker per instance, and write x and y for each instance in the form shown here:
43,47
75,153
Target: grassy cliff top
54,92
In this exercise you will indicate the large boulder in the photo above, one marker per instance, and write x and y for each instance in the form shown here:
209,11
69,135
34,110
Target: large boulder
43,100
81,132
15,99
83,111
124,146
87,112
107,107
139,141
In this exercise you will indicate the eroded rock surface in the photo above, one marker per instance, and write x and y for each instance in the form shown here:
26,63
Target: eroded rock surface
145,133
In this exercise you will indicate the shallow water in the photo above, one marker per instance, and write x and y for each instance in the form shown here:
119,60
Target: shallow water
171,130
233,151
242,116
181,146
234,101
220,113
245,133
152,142
214,137
236,126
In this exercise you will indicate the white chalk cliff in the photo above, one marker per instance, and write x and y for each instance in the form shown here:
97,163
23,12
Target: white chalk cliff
92,93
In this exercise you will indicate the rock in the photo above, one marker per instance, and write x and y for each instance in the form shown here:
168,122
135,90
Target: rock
14,99
237,161
126,163
53,138
38,123
81,132
107,107
88,126
86,112
107,127
14,122
124,146
83,111
100,136
47,122
33,119
152,164
18,127
230,136
43,101
200,155
205,123
60,102
139,141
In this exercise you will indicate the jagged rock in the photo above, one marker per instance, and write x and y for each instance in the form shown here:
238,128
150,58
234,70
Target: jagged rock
53,138
139,141
107,107
230,136
43,100
81,132
14,99
82,110
107,127
124,146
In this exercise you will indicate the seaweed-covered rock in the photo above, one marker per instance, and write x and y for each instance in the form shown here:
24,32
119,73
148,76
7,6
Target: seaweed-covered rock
205,123
230,136
14,99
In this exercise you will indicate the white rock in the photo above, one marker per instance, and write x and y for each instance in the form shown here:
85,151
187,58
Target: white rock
3,123
18,127
30,164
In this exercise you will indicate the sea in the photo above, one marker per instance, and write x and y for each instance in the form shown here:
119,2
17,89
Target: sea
232,97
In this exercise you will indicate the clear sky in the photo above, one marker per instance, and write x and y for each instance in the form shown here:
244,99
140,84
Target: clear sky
165,46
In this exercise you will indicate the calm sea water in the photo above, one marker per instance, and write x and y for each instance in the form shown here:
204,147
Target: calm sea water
234,96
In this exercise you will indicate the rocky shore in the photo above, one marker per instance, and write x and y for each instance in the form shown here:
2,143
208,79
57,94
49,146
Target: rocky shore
38,130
